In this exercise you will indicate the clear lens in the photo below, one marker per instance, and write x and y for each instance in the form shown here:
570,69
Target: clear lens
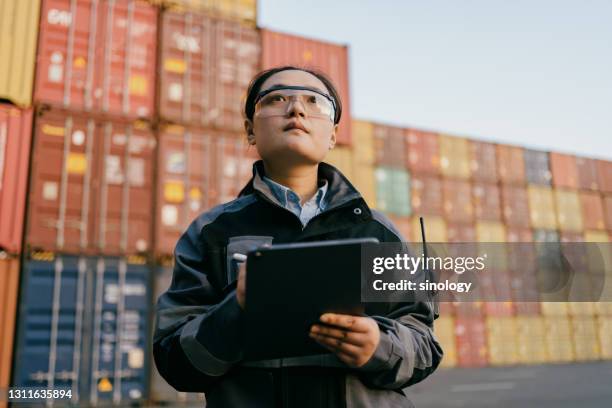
277,102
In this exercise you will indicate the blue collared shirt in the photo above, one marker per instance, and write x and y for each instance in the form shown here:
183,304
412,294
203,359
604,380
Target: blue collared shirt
291,201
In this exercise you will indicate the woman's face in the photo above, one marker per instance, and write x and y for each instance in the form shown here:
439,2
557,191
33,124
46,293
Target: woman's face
275,139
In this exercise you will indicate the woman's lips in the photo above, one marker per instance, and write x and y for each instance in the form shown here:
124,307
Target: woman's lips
295,125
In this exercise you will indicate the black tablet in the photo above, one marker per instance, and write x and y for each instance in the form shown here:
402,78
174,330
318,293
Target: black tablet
289,286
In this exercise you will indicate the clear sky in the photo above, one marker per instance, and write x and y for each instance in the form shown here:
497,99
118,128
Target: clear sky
536,73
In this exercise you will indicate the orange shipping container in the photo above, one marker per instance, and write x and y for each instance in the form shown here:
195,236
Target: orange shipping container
483,164
341,157
592,210
284,49
569,214
9,284
587,173
389,146
98,56
363,142
604,174
515,206
487,204
15,138
564,171
91,185
422,151
454,157
365,181
444,330
542,207
471,340
607,203
435,229
457,197
205,68
426,195
510,164
460,232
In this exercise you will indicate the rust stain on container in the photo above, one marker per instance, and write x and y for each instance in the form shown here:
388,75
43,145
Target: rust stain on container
283,49
422,151
15,139
510,164
483,163
564,171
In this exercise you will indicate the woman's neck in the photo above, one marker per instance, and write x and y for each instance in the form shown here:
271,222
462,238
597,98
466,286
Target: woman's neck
301,179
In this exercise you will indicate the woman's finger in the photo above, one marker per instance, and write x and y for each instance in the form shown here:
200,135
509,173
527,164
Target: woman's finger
352,323
358,339
339,345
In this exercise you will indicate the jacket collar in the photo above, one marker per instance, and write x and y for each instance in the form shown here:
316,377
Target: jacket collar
339,191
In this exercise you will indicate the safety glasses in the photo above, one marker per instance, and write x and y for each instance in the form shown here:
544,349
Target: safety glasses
276,101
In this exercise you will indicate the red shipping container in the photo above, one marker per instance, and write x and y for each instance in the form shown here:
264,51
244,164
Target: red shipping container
15,138
9,289
91,185
426,195
389,146
98,56
604,173
460,232
487,204
206,67
564,171
234,166
457,196
496,286
607,204
483,163
422,151
592,211
283,49
518,234
510,164
587,173
515,206
471,338
404,225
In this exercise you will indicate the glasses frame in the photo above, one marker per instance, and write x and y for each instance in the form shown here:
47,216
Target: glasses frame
261,94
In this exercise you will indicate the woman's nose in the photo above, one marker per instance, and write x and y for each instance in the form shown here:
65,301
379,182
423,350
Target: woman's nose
295,107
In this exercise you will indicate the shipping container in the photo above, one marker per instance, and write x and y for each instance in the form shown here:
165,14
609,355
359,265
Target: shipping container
502,340
592,207
389,146
91,185
444,330
510,164
84,326
435,229
604,174
607,205
543,235
586,338
9,287
587,173
454,157
404,226
244,11
98,56
523,282
541,207
422,150
457,200
569,213
531,340
537,168
564,171
490,231
596,236
234,165
206,65
18,35
483,163
341,157
284,49
471,340
460,232
559,339
515,206
604,330
393,191
363,142
15,139
426,194
518,234
487,201
365,181
554,309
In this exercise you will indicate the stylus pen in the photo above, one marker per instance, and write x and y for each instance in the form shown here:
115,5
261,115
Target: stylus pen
239,257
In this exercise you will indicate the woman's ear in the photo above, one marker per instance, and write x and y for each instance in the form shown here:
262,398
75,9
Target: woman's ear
248,126
332,140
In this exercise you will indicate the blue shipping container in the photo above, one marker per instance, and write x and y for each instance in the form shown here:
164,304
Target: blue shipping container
83,325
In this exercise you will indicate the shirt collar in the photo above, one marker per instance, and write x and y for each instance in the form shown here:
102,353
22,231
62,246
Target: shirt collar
284,194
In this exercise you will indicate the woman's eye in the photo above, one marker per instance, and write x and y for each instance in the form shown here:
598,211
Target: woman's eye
313,99
277,98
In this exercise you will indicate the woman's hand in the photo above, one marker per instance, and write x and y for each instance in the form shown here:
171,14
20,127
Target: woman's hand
241,285
352,338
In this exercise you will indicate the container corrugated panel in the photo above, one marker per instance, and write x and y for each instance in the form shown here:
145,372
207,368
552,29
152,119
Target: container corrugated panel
206,66
234,165
483,163
9,285
457,200
84,325
363,141
283,49
244,11
468,309
587,173
564,171
544,235
581,309
604,329
91,185
604,175
571,236
592,207
596,236
460,232
537,168
435,228
515,206
524,284
531,340
15,139
471,338
510,164
514,234
502,340
586,338
554,308
559,343
607,204
393,191
389,146
98,56
541,207
426,194
18,35
185,181
444,330
422,151
569,213
487,201
365,182
341,157
454,157
490,231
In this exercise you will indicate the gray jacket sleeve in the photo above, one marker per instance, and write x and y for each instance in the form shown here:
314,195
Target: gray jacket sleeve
198,332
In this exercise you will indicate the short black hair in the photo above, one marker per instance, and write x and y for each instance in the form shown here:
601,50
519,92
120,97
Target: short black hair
260,78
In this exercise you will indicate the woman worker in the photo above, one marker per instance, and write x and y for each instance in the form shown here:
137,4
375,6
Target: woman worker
292,117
